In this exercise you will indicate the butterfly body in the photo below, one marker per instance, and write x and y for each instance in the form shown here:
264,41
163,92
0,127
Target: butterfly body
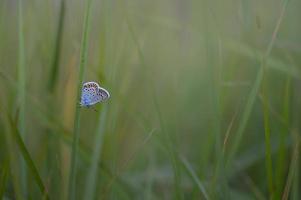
92,93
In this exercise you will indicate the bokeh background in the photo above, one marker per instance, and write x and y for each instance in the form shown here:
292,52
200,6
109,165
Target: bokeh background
205,99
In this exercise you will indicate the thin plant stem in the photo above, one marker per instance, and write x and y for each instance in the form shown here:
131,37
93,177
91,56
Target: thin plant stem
267,133
83,60
91,178
21,91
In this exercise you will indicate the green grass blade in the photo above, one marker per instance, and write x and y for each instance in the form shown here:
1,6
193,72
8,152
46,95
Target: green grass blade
4,171
293,167
254,91
267,133
21,89
296,181
12,158
83,60
57,49
91,178
281,160
28,160
53,153
195,177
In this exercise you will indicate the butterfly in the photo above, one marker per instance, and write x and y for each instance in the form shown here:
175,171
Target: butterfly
92,93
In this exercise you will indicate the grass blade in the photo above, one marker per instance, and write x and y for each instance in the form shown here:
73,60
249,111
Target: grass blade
57,49
281,160
83,58
3,178
12,158
195,178
21,90
28,160
53,153
91,178
293,168
267,133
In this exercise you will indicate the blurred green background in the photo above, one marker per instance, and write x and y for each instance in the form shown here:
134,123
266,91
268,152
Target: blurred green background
205,99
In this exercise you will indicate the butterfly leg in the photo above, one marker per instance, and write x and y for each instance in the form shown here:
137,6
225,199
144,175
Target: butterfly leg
79,104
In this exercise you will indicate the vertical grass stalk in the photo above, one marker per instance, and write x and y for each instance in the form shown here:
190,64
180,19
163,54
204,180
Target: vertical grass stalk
83,58
12,157
93,171
21,91
27,158
267,133
57,49
293,167
53,152
4,171
281,160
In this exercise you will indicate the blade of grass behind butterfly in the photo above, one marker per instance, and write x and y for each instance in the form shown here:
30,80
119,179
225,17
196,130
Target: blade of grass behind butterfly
282,155
167,140
21,90
267,133
254,91
295,123
296,180
53,153
293,167
28,160
57,49
97,150
13,159
82,66
4,157
3,177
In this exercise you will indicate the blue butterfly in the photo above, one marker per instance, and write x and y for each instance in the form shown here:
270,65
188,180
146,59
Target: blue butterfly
92,93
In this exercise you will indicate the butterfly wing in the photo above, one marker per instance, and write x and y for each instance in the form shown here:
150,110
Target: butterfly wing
103,94
89,94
